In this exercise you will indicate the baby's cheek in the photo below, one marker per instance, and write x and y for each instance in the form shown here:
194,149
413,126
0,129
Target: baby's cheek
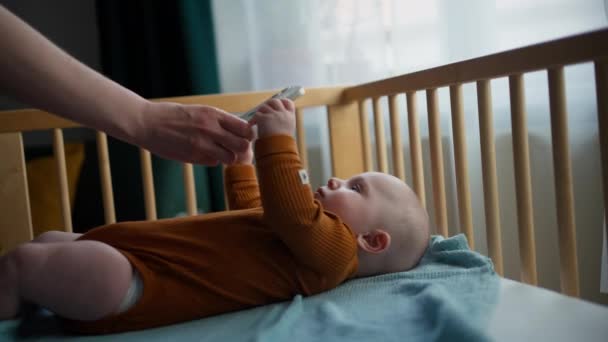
333,205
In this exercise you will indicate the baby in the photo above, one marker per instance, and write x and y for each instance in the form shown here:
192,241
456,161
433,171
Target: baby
278,239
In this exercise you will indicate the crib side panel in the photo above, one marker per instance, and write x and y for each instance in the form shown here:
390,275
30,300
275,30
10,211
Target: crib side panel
551,58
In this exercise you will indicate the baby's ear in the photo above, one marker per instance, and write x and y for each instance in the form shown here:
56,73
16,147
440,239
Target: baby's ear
376,241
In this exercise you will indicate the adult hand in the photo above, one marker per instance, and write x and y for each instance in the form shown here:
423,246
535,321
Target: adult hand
192,133
275,117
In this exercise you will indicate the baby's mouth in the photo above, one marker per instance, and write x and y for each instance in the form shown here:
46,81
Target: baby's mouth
319,193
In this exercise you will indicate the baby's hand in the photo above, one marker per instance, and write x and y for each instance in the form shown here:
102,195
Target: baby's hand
275,117
245,157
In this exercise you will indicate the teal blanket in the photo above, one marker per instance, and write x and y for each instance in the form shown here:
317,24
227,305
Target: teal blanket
448,297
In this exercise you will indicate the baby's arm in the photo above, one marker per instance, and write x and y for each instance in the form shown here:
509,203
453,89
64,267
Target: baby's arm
241,184
317,239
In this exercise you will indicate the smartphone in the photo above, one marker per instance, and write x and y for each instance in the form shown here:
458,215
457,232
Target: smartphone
291,93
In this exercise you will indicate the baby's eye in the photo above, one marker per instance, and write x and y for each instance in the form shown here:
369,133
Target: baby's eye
356,187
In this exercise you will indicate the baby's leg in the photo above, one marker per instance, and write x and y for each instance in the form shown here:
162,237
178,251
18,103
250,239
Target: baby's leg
83,280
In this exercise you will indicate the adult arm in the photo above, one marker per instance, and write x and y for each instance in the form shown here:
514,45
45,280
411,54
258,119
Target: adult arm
37,72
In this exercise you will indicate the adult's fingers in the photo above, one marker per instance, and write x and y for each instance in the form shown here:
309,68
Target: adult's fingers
230,141
212,153
234,133
225,155
236,125
205,160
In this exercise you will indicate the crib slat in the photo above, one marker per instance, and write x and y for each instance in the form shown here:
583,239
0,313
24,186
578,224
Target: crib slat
490,182
148,183
397,144
601,92
523,182
106,178
380,136
16,218
415,147
59,152
189,189
563,182
367,146
441,216
345,133
301,137
460,160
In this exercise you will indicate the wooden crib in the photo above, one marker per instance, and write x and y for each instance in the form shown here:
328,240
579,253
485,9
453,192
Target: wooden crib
350,145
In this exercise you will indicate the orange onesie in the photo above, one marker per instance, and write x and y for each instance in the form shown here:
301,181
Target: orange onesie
275,242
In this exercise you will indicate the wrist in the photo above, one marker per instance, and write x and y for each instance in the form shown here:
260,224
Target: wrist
243,162
245,158
270,131
133,128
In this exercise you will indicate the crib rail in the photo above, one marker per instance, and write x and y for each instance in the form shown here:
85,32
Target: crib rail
570,50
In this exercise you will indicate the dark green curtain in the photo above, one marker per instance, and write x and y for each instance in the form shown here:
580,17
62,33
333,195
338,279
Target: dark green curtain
157,49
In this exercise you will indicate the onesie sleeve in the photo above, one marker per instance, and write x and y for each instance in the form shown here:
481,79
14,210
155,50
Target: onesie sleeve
241,187
319,240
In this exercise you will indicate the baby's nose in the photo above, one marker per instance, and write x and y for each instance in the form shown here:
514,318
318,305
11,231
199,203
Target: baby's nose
333,183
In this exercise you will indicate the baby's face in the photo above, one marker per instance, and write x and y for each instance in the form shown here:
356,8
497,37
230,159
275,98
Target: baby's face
361,201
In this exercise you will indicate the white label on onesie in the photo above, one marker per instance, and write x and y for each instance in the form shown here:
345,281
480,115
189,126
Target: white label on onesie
304,176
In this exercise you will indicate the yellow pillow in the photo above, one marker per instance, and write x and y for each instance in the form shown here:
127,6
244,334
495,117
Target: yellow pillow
43,187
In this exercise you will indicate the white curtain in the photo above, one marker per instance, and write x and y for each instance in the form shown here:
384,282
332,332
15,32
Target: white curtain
265,44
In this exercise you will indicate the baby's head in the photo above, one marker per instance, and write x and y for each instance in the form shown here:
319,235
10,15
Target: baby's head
391,225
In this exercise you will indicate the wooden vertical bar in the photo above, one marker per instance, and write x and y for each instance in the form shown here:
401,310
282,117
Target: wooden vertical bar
16,218
460,160
189,190
563,182
523,182
344,138
367,146
415,147
148,184
380,137
490,181
441,215
105,178
601,93
59,152
301,137
397,143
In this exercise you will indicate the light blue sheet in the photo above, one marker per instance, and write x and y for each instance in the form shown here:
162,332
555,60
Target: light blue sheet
448,297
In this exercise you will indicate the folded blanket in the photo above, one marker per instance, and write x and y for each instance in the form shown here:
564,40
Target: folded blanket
448,297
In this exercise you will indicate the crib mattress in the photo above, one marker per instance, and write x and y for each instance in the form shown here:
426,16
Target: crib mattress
522,313
530,313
